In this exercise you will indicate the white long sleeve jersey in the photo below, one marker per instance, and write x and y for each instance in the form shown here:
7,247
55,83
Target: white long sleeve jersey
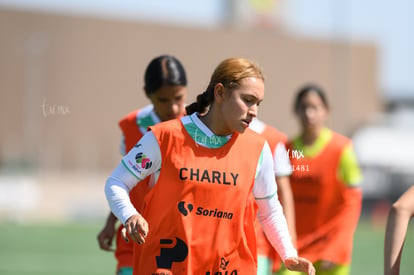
126,176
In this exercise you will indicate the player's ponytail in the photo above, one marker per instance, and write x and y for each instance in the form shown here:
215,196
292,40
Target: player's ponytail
202,103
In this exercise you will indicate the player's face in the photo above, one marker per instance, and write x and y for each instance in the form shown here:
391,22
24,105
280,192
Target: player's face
169,101
239,106
312,111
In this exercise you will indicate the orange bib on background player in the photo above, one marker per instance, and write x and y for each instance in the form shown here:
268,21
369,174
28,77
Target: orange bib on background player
197,210
327,210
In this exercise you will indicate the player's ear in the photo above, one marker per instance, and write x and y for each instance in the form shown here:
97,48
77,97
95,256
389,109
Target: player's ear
219,92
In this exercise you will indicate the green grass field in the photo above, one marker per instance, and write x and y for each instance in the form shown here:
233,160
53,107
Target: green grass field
73,249
369,251
52,249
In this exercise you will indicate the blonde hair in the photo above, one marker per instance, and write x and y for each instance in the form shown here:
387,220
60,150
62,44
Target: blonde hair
229,73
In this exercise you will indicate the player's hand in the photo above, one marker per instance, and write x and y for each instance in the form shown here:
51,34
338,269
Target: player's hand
300,264
106,236
136,227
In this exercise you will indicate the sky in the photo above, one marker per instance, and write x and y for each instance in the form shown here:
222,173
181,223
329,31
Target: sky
388,24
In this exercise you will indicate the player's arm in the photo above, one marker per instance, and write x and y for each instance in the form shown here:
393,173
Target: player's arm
396,229
271,215
285,195
129,172
352,177
283,170
106,235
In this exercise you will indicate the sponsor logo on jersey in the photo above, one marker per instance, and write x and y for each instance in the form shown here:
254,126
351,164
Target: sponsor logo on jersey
142,159
207,176
223,263
171,253
214,213
186,208
134,167
223,269
224,272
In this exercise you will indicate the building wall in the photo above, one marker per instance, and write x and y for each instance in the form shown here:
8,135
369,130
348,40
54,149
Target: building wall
65,81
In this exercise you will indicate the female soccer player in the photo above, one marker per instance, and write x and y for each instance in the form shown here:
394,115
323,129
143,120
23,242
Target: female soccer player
207,167
325,185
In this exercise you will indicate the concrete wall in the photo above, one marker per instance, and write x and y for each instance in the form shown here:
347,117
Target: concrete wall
65,81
